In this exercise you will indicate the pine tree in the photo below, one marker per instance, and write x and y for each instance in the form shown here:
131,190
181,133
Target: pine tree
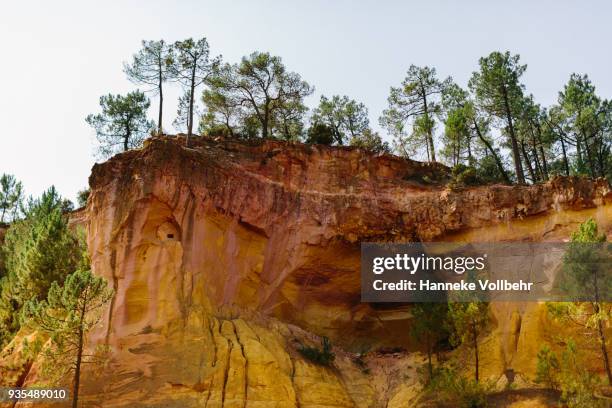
320,133
346,117
11,196
150,67
428,327
371,141
466,133
123,123
586,279
270,97
468,322
67,315
37,251
191,66
499,92
417,99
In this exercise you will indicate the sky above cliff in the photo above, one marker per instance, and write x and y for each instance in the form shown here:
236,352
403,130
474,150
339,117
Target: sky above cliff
59,57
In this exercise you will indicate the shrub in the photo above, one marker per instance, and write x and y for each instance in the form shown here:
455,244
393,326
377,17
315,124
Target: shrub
447,386
463,175
82,197
567,374
547,368
320,133
371,141
323,356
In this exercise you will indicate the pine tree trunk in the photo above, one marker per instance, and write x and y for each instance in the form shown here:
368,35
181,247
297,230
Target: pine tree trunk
516,156
475,344
536,158
528,163
544,163
589,158
579,158
190,118
601,332
500,166
77,368
565,162
429,129
126,140
266,119
77,372
429,353
161,104
604,351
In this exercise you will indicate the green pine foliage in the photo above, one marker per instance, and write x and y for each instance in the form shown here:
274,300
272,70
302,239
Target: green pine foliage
370,141
11,197
468,322
122,124
82,197
257,97
585,278
428,327
547,368
568,374
68,313
38,250
320,133
450,389
346,117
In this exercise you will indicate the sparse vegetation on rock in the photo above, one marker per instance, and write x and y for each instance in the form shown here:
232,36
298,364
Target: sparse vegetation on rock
323,355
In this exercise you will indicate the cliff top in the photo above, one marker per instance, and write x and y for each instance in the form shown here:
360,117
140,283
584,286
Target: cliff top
362,195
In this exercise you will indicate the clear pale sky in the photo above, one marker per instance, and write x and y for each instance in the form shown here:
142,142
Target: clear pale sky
58,57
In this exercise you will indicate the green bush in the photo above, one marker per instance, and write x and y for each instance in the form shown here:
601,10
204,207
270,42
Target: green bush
577,385
82,197
463,175
447,386
371,141
320,133
323,356
547,368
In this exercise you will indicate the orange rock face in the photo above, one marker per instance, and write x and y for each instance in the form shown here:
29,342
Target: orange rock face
225,256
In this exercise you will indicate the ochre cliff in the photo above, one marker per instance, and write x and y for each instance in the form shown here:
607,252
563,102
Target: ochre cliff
225,256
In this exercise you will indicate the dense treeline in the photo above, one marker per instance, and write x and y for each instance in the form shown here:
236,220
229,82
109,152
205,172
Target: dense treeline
491,130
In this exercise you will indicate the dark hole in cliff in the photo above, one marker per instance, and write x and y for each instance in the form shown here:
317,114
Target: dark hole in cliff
170,236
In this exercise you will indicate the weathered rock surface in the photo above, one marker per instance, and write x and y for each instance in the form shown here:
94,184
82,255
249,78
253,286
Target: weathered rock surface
225,256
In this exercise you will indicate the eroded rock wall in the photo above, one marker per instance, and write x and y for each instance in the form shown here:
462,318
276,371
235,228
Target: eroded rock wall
225,257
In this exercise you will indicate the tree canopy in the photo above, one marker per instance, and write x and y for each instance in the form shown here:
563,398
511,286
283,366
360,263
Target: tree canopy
346,117
38,250
490,130
190,65
260,92
499,93
11,196
417,99
123,123
150,66
68,313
